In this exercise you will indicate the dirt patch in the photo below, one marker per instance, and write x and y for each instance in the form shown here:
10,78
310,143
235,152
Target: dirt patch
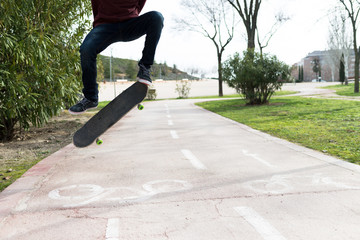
29,147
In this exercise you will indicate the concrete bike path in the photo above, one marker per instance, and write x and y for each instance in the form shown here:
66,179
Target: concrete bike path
176,171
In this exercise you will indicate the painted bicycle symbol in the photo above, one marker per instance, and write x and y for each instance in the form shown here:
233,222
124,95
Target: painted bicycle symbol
83,194
279,184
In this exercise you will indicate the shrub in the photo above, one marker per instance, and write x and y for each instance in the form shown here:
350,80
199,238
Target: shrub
255,76
39,60
151,94
183,88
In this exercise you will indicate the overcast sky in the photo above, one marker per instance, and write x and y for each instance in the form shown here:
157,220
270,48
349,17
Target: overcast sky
307,31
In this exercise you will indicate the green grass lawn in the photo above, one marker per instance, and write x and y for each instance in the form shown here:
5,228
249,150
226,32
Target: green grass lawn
344,90
283,93
279,93
331,126
17,170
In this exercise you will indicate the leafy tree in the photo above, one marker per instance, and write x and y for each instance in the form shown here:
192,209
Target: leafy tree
131,70
256,77
316,67
159,70
100,70
165,69
174,69
39,60
302,74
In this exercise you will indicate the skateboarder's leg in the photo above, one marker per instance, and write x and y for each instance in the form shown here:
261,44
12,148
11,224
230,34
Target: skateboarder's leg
102,36
95,42
149,24
155,23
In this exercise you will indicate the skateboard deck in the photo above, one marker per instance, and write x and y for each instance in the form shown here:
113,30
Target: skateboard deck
110,114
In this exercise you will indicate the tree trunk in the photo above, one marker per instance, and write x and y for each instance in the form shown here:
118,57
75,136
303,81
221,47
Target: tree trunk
220,75
249,16
251,38
356,88
356,50
7,131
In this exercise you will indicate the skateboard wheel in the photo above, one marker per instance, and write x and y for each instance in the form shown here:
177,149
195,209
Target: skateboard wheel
99,141
140,106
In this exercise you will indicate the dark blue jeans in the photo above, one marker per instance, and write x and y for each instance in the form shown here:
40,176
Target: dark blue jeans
102,36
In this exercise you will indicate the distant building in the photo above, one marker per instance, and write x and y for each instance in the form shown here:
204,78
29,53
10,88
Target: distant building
329,72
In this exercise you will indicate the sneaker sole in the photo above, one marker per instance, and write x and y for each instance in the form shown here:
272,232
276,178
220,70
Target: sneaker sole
78,113
143,81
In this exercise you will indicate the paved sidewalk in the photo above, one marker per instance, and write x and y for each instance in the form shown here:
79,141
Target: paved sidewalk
314,90
176,171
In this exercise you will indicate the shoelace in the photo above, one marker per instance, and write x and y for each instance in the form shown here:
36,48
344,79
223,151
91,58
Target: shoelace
84,101
144,70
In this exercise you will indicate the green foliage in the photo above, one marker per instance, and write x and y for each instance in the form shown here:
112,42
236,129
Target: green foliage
130,69
255,76
151,94
342,70
301,74
160,71
183,88
344,90
100,70
39,59
330,126
316,67
174,70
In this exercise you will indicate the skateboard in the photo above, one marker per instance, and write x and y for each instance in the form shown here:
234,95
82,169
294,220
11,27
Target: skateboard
110,114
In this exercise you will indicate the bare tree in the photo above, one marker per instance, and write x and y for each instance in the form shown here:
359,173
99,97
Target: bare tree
332,59
213,20
352,8
248,11
280,19
339,43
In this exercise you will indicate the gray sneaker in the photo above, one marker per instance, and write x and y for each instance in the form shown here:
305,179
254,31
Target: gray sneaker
82,106
144,74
